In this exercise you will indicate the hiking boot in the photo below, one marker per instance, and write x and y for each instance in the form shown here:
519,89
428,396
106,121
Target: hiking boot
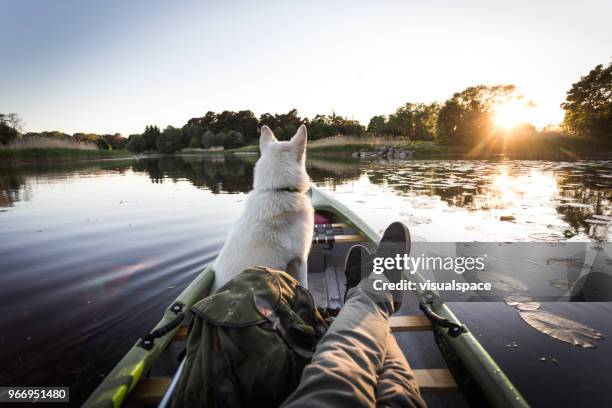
355,265
395,241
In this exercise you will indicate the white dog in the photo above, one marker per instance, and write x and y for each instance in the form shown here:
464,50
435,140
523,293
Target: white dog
275,229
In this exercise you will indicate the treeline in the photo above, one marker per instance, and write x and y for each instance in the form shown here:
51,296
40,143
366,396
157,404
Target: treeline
10,125
466,119
414,121
236,129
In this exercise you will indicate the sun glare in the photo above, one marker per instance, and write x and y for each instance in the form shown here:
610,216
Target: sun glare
510,115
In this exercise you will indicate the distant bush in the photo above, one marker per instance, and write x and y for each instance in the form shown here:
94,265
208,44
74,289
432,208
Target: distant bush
136,144
232,140
169,140
102,144
195,143
150,136
209,139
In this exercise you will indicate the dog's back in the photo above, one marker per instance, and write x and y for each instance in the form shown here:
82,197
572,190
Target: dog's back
276,226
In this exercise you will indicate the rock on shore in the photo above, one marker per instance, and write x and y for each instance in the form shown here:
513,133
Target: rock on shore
384,151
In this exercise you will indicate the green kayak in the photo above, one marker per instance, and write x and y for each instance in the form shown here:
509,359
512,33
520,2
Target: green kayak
144,375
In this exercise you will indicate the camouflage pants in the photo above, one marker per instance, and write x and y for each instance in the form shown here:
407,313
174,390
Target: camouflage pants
358,362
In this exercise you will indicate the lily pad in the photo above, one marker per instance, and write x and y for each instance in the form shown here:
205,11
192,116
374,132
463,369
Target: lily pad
502,282
513,300
562,329
561,283
546,237
528,306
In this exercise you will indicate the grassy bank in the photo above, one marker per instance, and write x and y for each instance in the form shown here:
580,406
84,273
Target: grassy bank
348,145
36,155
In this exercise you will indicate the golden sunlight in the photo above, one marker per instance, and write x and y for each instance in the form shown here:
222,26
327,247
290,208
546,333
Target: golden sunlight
511,114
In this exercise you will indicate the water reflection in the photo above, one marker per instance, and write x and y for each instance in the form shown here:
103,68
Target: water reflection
579,192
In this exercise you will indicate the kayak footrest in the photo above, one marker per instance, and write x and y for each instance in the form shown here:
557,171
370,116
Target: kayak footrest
410,323
398,324
151,390
435,379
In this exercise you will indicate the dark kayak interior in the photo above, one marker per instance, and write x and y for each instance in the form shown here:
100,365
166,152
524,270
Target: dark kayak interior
326,281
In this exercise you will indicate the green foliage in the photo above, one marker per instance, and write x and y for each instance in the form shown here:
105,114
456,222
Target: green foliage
150,136
217,127
136,144
232,140
169,141
190,132
209,139
331,125
415,121
283,125
102,144
116,141
466,119
588,105
378,125
195,143
10,128
243,121
105,142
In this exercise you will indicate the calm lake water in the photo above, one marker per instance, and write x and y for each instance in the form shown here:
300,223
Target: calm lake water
92,253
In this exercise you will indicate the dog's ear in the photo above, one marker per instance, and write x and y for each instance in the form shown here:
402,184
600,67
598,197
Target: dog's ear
299,140
266,138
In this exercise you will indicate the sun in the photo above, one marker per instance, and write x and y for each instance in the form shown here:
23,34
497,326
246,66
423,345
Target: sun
510,114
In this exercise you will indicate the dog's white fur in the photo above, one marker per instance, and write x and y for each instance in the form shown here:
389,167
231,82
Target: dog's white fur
275,229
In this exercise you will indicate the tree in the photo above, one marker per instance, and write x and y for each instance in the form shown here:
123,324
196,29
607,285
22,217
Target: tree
467,117
190,132
588,105
150,136
330,125
136,144
415,121
102,144
10,127
377,124
116,141
425,120
246,123
209,139
284,125
269,120
195,143
169,140
232,140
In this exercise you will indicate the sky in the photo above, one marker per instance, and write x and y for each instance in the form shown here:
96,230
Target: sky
115,66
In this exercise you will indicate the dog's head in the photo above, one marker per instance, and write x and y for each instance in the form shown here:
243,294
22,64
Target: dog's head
282,164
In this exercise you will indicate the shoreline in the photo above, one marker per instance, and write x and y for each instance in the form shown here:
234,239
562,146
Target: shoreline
55,155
